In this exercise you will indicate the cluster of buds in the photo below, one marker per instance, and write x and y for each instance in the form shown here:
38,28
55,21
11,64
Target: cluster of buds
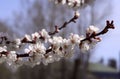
75,4
36,51
41,47
92,35
90,43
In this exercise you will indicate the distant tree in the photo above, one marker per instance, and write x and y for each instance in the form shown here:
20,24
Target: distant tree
101,61
112,63
5,28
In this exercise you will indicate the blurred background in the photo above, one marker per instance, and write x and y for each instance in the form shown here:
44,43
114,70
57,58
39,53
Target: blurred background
20,17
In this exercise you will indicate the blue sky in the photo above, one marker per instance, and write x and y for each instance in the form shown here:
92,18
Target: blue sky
7,7
109,47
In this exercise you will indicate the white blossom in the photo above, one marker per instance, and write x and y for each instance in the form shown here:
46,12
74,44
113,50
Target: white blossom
11,57
38,47
68,49
36,52
28,37
16,64
77,14
94,42
44,34
74,38
92,29
75,4
85,47
4,48
35,36
48,59
56,41
17,43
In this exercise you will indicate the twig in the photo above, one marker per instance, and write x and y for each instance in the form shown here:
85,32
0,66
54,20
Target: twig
75,17
109,25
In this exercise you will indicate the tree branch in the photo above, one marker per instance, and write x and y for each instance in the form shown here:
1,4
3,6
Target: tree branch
75,17
109,25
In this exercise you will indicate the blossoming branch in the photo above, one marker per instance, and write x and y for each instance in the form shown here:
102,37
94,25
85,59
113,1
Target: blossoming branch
46,47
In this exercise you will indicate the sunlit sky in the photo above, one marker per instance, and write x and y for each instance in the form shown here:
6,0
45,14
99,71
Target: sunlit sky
108,48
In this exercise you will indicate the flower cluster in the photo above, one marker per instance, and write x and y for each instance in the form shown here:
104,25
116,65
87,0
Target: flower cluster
75,4
41,47
88,44
36,52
